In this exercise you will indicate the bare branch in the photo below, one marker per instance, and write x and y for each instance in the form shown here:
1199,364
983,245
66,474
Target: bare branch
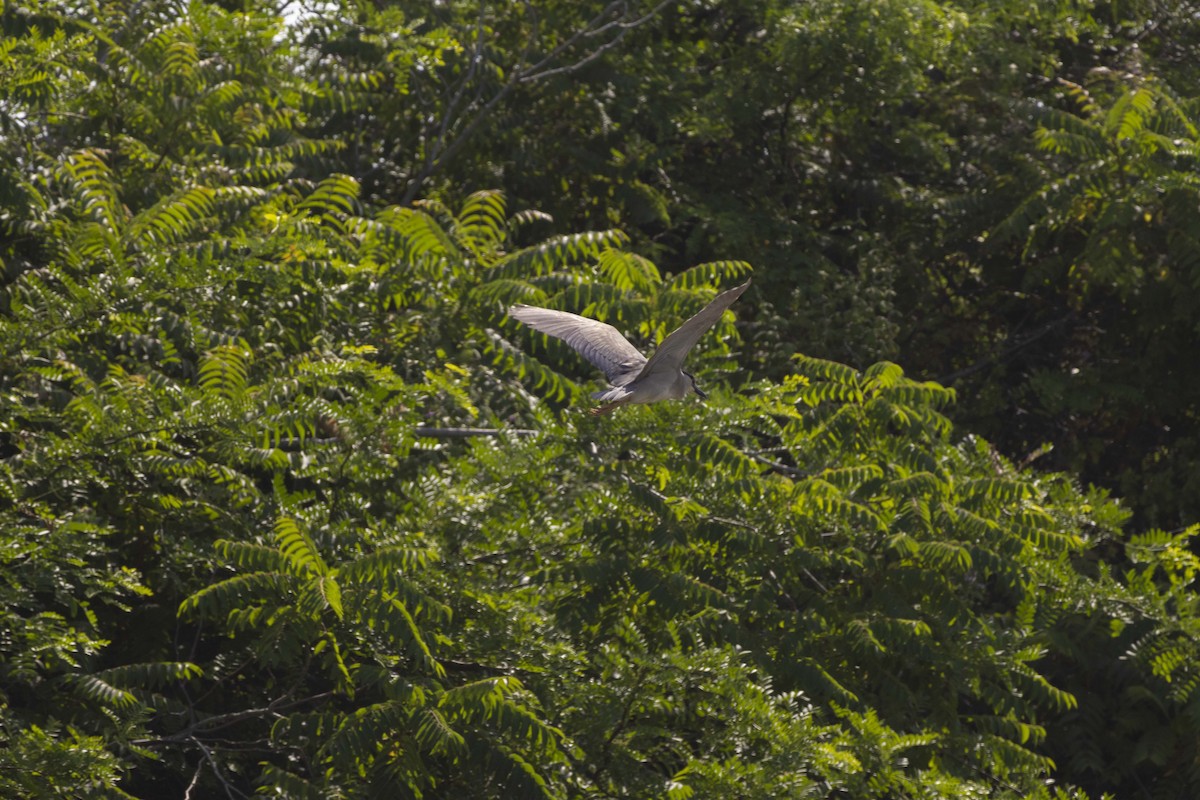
592,28
782,469
218,722
439,152
533,73
1006,353
187,795
578,65
230,790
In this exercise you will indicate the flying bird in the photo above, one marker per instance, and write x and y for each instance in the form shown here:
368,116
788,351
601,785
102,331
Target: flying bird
633,378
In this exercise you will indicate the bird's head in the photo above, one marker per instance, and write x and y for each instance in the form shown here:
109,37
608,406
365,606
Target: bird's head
695,387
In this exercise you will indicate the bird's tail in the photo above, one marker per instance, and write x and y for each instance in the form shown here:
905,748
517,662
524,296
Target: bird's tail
613,394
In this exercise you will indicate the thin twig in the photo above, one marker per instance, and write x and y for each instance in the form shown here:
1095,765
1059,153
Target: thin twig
230,791
1004,354
187,794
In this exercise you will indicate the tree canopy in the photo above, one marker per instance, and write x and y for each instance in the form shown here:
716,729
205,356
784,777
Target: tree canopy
289,506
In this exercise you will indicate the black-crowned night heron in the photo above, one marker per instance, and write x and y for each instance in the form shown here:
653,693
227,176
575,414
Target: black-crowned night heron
634,379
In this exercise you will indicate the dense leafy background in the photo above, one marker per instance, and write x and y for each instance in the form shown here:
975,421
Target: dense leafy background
288,505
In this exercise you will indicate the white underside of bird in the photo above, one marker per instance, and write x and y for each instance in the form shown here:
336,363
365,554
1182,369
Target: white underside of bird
649,394
634,378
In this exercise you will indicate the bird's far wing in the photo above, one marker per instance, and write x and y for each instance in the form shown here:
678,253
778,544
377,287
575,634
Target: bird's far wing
596,341
674,349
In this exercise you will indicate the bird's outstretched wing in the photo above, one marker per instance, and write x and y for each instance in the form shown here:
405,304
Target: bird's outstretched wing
674,349
596,341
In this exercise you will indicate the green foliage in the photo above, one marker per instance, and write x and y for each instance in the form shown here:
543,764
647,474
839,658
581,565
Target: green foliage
76,765
881,163
1109,243
1145,626
287,505
854,572
365,625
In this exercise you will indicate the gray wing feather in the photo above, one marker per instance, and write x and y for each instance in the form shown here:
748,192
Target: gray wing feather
596,341
674,349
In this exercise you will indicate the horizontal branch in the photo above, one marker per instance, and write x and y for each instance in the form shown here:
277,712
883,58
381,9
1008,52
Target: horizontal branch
218,722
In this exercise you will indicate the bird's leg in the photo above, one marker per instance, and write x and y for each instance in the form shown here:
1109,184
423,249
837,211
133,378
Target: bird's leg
606,408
